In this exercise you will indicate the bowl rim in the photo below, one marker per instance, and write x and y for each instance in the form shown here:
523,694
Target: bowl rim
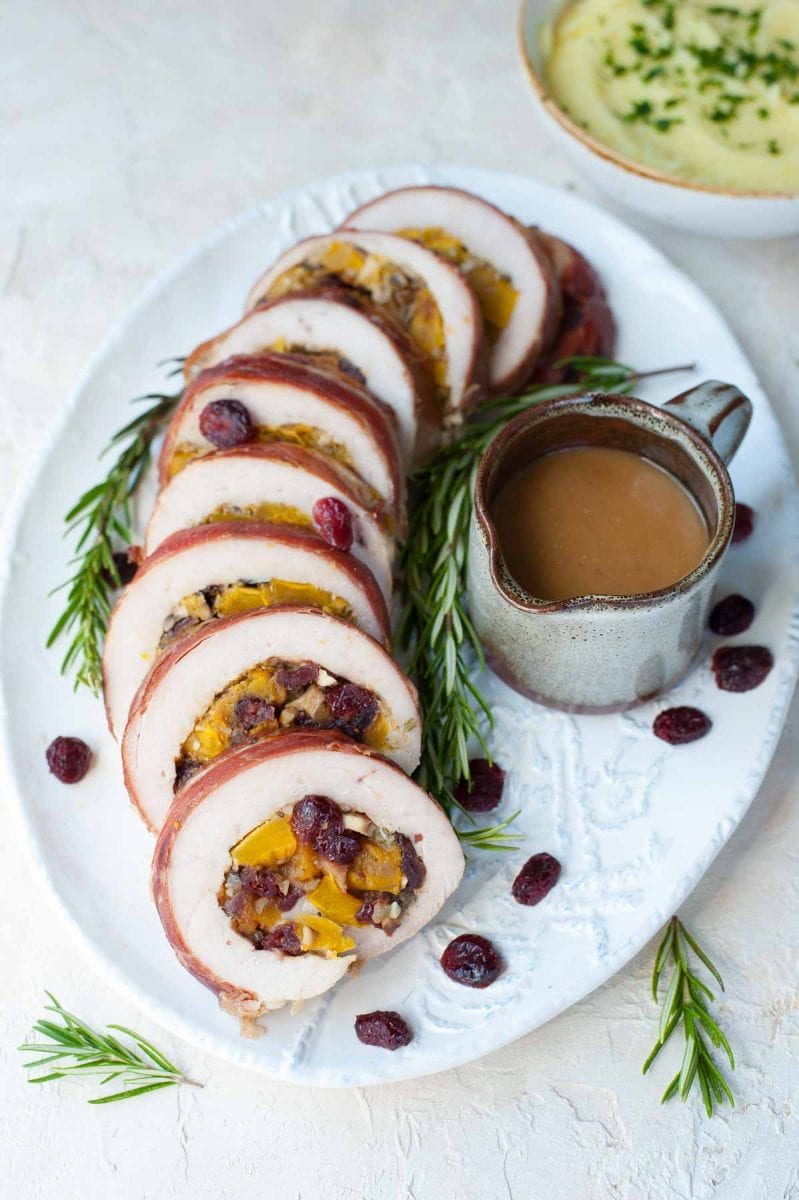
606,152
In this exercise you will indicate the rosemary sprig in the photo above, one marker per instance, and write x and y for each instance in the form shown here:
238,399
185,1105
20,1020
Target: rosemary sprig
686,1001
74,1050
103,515
434,625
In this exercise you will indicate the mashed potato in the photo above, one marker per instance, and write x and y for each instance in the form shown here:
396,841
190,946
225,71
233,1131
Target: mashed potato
707,92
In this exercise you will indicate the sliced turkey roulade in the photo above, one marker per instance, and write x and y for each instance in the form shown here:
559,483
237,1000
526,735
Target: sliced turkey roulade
280,484
426,295
361,342
285,862
512,277
587,327
275,398
198,575
246,678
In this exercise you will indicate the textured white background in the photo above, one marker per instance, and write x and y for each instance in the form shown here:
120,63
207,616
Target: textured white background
127,132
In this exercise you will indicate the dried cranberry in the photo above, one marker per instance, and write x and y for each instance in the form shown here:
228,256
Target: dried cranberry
366,913
314,816
286,901
734,614
353,708
681,725
126,568
536,879
483,791
744,522
260,881
69,759
388,1030
234,905
251,711
338,845
413,868
298,677
284,938
349,368
184,769
472,960
741,668
226,423
333,522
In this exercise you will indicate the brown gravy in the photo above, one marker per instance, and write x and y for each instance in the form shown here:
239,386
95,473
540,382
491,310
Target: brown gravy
595,520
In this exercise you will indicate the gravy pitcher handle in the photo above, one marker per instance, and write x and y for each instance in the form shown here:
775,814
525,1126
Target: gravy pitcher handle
718,411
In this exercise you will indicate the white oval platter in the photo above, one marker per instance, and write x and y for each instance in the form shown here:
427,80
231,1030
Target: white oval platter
634,822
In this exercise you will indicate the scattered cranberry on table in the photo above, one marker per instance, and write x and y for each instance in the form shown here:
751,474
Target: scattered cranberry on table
472,960
333,522
741,668
69,759
226,423
388,1030
536,879
734,614
483,791
744,522
679,726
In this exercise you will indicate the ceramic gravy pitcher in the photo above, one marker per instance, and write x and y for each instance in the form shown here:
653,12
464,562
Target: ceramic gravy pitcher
602,653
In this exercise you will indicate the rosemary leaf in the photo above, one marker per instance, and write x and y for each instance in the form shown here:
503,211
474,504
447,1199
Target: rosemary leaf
684,1003
75,1049
102,514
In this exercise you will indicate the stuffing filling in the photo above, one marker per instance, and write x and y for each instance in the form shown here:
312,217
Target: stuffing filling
495,293
308,436
301,881
225,600
277,695
273,514
398,293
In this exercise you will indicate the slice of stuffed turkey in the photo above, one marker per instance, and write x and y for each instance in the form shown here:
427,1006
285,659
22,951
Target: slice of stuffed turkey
587,327
246,678
276,398
198,575
426,295
286,862
280,484
513,278
361,342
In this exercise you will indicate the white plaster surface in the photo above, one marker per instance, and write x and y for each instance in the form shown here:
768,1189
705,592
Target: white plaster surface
126,132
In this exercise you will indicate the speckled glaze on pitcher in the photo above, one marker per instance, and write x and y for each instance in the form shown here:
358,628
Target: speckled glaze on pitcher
603,653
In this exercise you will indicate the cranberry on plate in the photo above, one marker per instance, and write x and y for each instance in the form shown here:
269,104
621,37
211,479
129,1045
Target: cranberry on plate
734,614
69,759
744,522
472,960
483,791
681,725
741,668
536,879
385,1029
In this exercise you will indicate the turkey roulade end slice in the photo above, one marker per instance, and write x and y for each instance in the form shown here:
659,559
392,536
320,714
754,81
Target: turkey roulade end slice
286,862
361,342
285,400
426,295
512,277
587,327
246,678
284,485
199,575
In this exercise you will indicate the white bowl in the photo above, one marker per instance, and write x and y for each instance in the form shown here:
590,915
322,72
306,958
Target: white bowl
691,206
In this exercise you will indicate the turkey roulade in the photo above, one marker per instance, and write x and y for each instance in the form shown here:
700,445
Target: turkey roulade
286,862
246,678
